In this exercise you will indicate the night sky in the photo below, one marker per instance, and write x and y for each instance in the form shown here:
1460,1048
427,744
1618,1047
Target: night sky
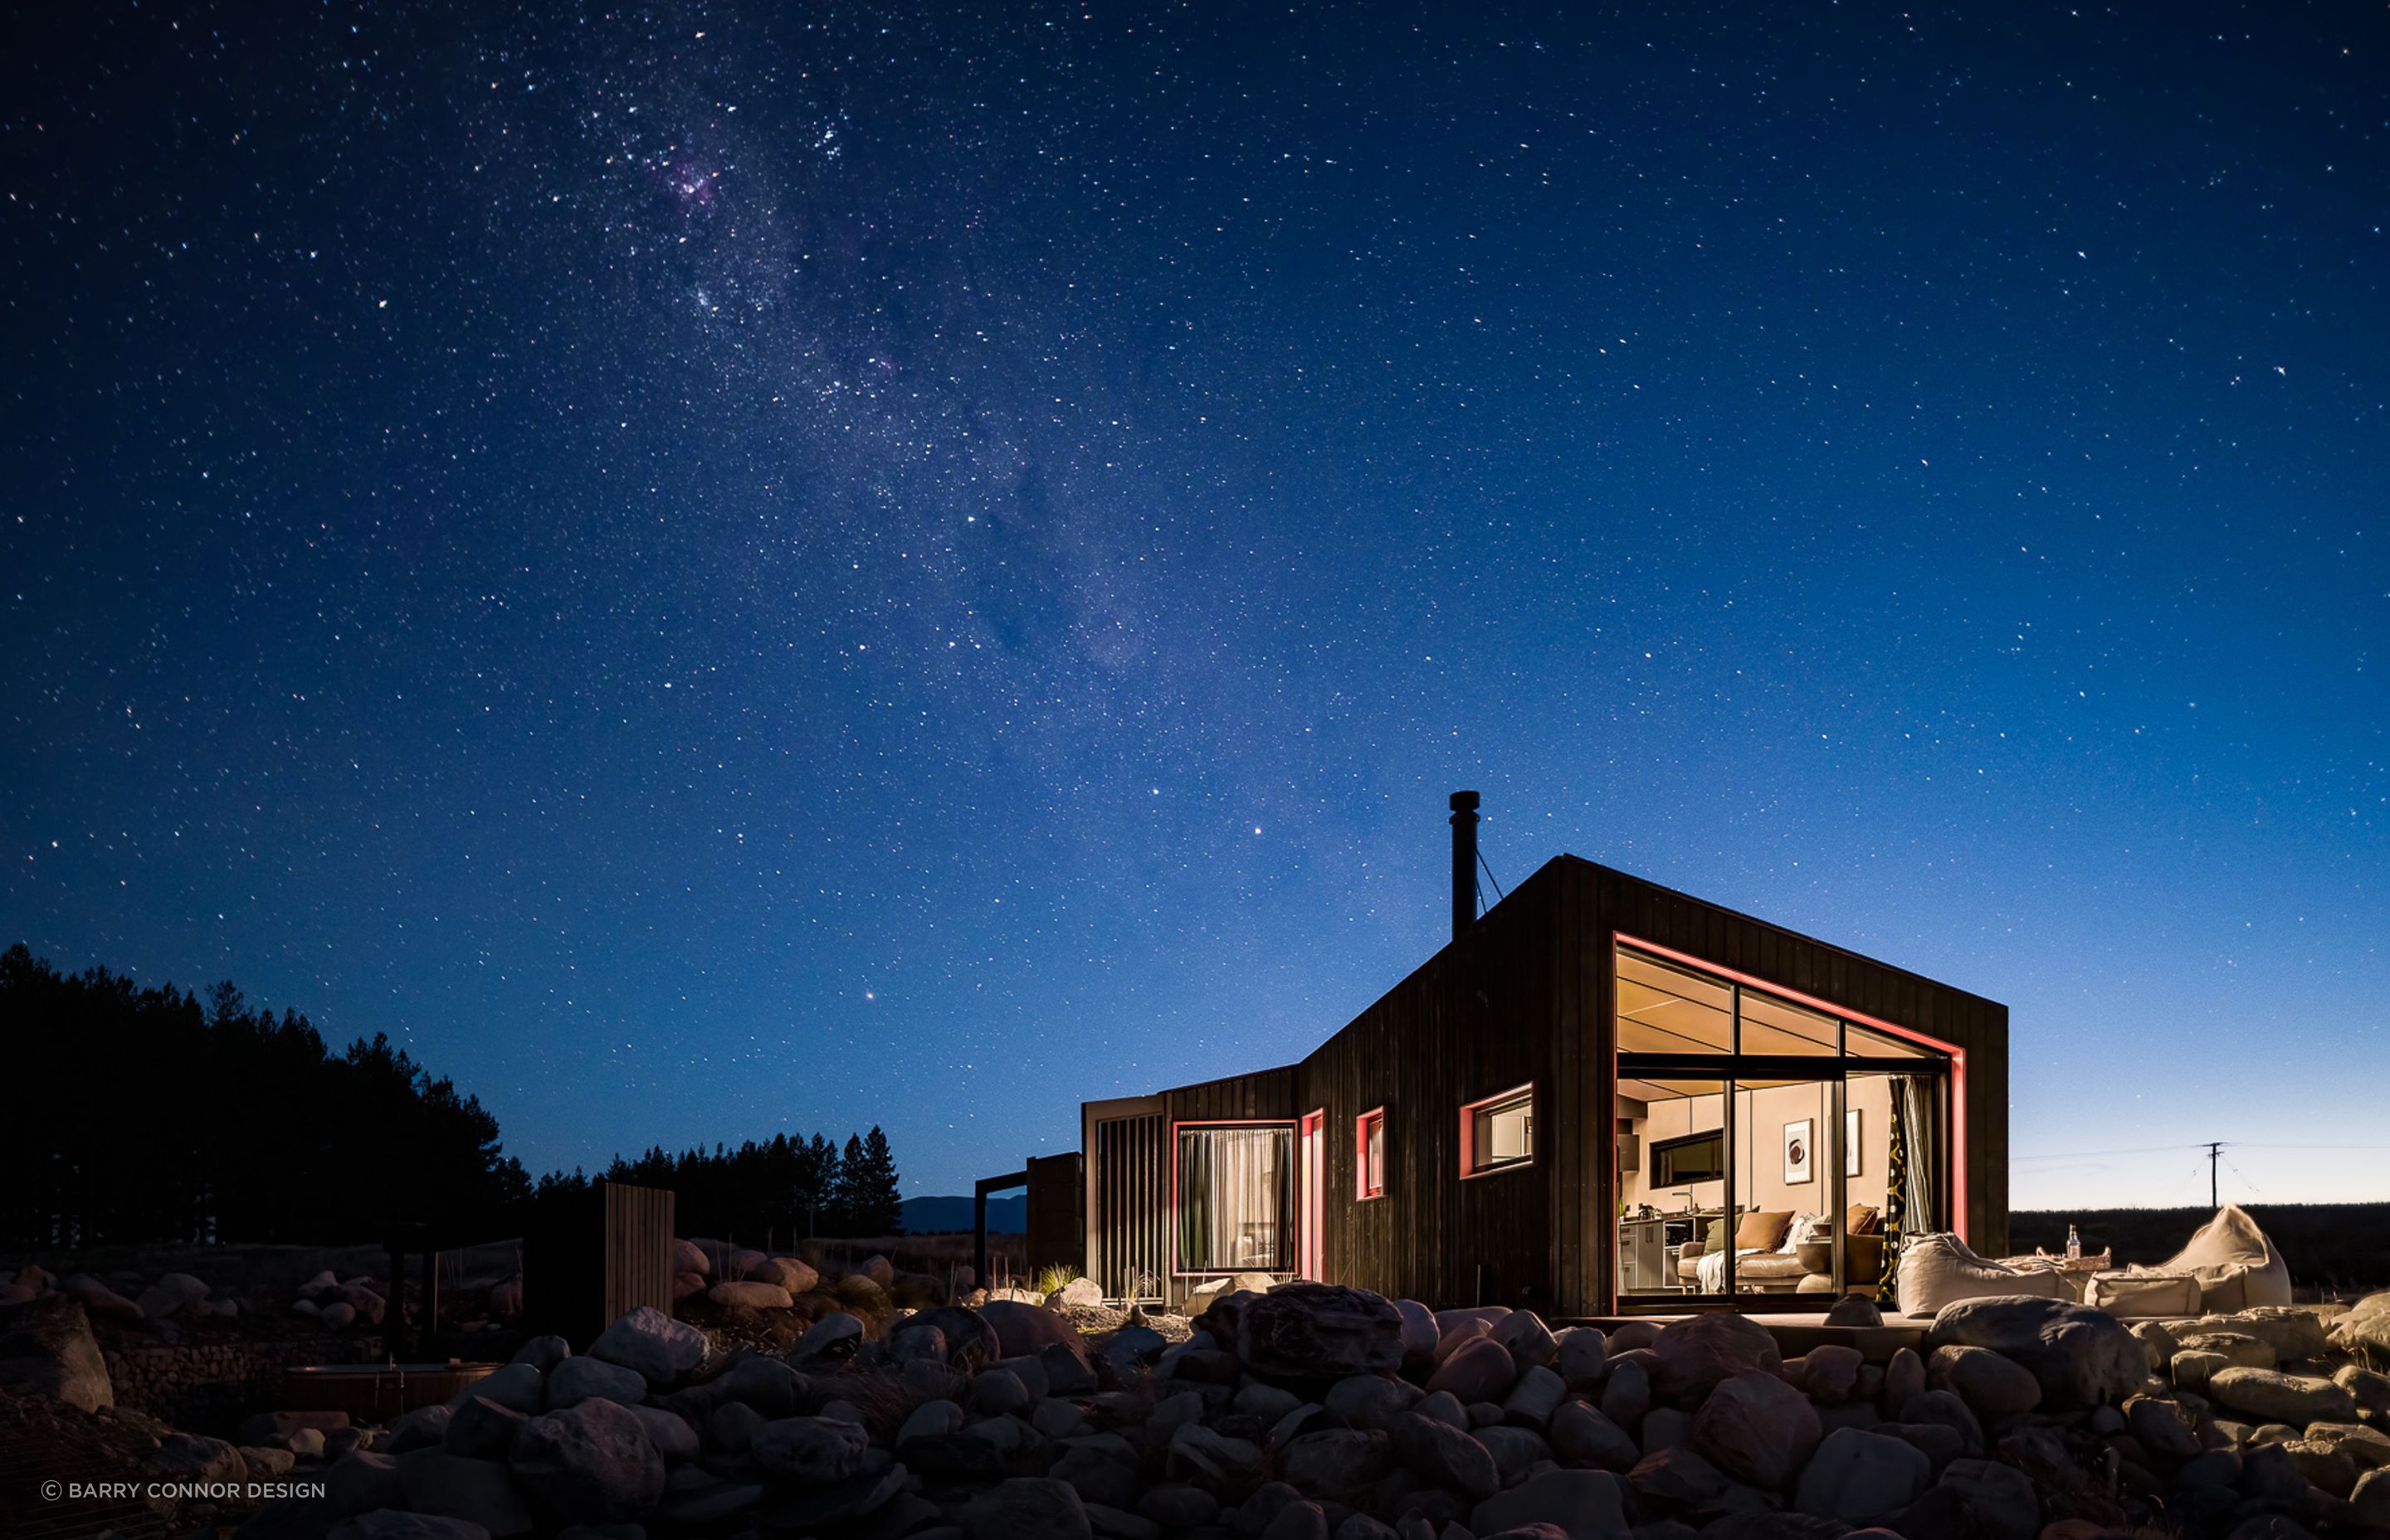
725,568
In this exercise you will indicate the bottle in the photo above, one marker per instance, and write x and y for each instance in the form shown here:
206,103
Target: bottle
2073,1245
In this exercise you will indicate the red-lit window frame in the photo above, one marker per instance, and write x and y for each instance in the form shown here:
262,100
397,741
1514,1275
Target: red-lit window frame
1470,1170
1956,1055
1362,1191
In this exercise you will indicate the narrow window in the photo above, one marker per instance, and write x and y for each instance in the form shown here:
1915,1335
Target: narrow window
1235,1198
1499,1132
1369,1154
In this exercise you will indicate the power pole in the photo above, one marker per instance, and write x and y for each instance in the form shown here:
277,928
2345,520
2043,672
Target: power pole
2214,1151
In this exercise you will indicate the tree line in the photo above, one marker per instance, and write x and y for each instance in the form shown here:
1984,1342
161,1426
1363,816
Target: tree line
148,1115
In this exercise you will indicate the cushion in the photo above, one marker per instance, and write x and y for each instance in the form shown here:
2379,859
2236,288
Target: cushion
1806,1228
1763,1230
2138,1291
1859,1219
2235,1262
1936,1270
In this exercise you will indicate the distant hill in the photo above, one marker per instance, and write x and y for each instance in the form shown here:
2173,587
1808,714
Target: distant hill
2326,1244
929,1216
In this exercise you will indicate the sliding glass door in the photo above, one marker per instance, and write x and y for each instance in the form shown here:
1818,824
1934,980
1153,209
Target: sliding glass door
1764,1142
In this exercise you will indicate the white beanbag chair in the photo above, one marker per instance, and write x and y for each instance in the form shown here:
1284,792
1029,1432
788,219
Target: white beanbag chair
1936,1270
2136,1292
2236,1264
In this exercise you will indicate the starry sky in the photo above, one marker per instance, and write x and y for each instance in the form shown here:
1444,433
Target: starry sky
722,569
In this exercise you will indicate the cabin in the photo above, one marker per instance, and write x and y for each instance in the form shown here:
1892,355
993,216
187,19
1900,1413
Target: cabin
1601,1098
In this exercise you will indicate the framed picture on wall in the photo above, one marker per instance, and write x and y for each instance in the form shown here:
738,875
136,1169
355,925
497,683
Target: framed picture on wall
1851,1142
1799,1146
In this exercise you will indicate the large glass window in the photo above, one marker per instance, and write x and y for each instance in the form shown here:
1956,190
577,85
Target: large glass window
1499,1132
1765,1144
1236,1197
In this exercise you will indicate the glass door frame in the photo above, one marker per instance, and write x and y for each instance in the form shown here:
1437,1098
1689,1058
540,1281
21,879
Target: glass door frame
1728,1073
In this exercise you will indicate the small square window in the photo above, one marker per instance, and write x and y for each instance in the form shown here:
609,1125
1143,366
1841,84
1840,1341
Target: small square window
1369,1154
1499,1132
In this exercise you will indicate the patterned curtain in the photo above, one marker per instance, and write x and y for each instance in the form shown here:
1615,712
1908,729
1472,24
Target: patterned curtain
1895,1203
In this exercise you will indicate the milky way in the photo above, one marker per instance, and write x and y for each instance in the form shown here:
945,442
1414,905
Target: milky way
722,569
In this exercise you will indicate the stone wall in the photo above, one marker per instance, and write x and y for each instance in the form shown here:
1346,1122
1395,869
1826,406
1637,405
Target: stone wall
199,1385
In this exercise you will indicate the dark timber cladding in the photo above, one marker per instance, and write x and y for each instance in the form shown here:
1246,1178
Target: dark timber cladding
1525,998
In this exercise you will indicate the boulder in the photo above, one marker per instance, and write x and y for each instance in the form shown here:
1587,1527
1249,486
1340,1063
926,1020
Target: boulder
1627,1395
687,1286
1993,1386
46,1347
171,1295
2273,1396
1020,1330
1691,1356
1027,1508
836,1334
2237,1349
1855,1310
1528,1339
98,1298
1756,1428
1942,1408
789,1273
670,1433
1575,1505
812,1449
1341,1463
1480,1370
2081,1356
1830,1372
1975,1500
361,1481
1582,1437
2369,1389
1862,1478
1079,1293
1419,1336
658,1349
542,1352
482,1430
590,1463
452,1486
424,1428
1534,1398
2369,1499
1584,1356
1444,1455
1313,1334
750,1294
194,1458
1904,1376
2363,1330
1677,1476
339,1314
2192,1370
689,1257
586,1379
2160,1427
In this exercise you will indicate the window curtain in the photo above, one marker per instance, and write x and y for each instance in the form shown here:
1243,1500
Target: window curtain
1908,1206
1235,1199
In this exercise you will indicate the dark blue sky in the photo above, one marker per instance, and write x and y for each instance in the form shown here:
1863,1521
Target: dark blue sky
724,569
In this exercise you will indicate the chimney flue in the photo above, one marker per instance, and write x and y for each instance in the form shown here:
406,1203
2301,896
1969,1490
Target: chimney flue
1464,862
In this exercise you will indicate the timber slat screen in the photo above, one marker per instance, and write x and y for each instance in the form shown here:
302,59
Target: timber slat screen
1128,1252
597,1256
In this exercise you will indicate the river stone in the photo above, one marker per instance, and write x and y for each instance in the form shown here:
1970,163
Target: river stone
1855,1310
1480,1370
1214,1455
1533,1400
1904,1376
1584,1356
1628,1393
1830,1372
1756,1428
1678,1475
1693,1355
591,1462
1530,1342
2369,1501
2160,1428
1369,1399
482,1428
2081,1356
813,1449
1443,1454
2368,1388
1336,1462
1419,1336
1583,1437
2237,1349
2363,1330
1993,1386
1976,1499
1020,1331
651,1343
586,1379
1579,1505
396,1524
1862,1478
2274,1396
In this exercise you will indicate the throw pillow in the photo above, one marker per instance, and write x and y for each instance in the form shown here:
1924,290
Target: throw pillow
1863,1219
1763,1230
